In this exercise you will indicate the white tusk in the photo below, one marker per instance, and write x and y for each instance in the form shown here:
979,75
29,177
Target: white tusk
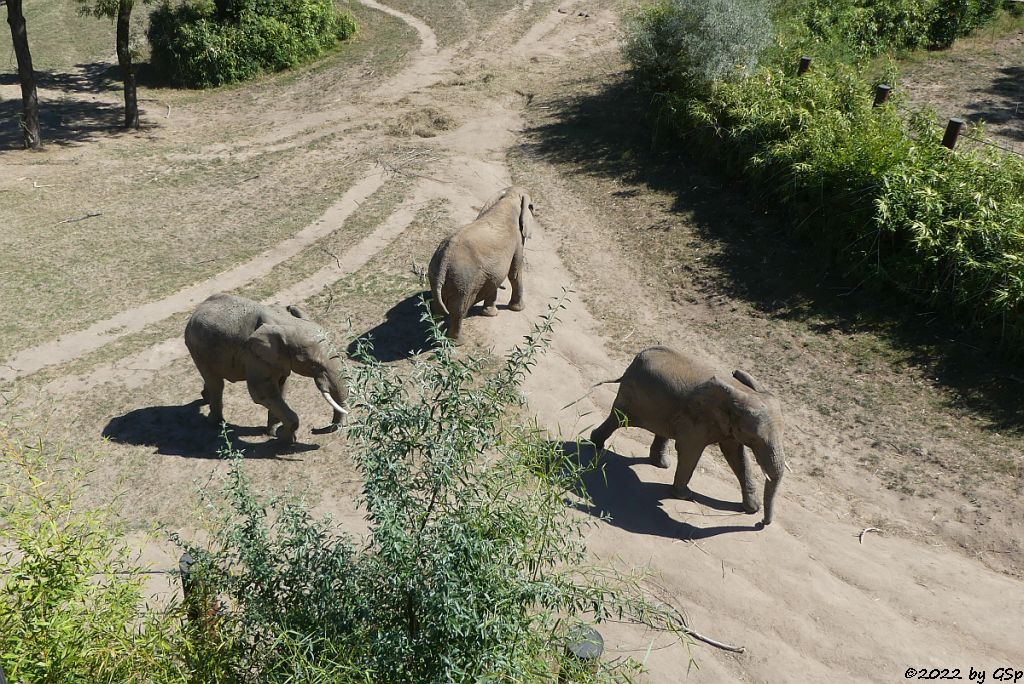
330,400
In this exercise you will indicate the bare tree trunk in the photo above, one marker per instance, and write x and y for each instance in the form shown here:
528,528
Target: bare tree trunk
29,99
124,59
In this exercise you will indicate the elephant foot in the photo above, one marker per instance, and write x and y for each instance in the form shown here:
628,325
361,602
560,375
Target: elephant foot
216,418
683,493
284,435
516,306
489,311
659,461
751,507
271,430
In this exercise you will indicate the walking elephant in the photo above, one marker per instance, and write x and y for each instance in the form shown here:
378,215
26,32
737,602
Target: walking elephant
678,397
471,265
232,338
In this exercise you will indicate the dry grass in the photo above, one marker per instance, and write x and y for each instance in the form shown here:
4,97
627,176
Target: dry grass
426,122
176,204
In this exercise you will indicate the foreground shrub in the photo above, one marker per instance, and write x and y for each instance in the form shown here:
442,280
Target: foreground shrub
201,44
692,43
472,566
71,607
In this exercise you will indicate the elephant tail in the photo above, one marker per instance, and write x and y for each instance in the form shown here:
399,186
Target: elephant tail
438,282
592,388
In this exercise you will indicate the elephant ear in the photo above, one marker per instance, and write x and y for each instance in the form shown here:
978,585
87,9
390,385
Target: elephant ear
526,219
740,404
268,344
748,380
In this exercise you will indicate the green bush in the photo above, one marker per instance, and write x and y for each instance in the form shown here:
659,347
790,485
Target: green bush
71,605
692,43
875,26
472,567
202,44
889,202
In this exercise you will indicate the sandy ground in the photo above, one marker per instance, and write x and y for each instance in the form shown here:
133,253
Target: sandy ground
810,598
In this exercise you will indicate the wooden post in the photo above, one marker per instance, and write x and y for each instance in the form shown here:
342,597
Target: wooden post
953,129
882,92
185,570
583,652
805,64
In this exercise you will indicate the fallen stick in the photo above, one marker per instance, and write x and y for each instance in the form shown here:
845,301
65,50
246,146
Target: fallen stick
80,218
865,531
711,642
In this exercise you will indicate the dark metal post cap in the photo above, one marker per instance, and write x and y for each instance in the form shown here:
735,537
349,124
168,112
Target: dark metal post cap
585,643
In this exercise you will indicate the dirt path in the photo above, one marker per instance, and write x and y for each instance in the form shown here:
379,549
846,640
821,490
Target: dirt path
807,599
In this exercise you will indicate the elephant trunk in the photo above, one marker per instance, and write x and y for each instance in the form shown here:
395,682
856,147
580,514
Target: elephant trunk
335,392
773,463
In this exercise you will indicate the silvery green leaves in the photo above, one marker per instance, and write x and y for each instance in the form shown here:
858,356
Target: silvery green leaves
693,43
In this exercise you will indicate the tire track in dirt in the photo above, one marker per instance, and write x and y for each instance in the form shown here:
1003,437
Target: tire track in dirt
74,345
137,369
426,69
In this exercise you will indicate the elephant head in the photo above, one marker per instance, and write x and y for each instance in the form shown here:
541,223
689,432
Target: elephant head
304,349
754,419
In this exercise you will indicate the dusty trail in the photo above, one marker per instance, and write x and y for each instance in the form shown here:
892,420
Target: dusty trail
807,600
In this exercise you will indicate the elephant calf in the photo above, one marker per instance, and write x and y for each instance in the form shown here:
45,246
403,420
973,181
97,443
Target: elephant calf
473,263
678,397
232,338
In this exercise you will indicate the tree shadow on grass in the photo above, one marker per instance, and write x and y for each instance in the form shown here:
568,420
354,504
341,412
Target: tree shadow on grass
598,134
94,77
61,122
185,431
620,496
1001,102
73,117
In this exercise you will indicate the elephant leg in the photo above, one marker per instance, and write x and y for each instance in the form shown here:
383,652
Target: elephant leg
435,308
455,327
659,452
688,452
603,431
213,394
456,317
736,456
489,294
272,420
266,393
515,279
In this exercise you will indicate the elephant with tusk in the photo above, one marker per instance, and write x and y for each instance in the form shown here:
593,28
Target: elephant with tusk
232,338
472,264
678,397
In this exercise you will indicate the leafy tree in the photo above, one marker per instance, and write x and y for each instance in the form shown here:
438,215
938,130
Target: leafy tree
121,11
29,98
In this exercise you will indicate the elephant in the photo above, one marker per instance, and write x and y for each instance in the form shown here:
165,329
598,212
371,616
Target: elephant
472,264
679,397
232,338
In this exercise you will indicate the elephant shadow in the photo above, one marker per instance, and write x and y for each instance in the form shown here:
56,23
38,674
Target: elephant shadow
185,431
619,496
403,333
